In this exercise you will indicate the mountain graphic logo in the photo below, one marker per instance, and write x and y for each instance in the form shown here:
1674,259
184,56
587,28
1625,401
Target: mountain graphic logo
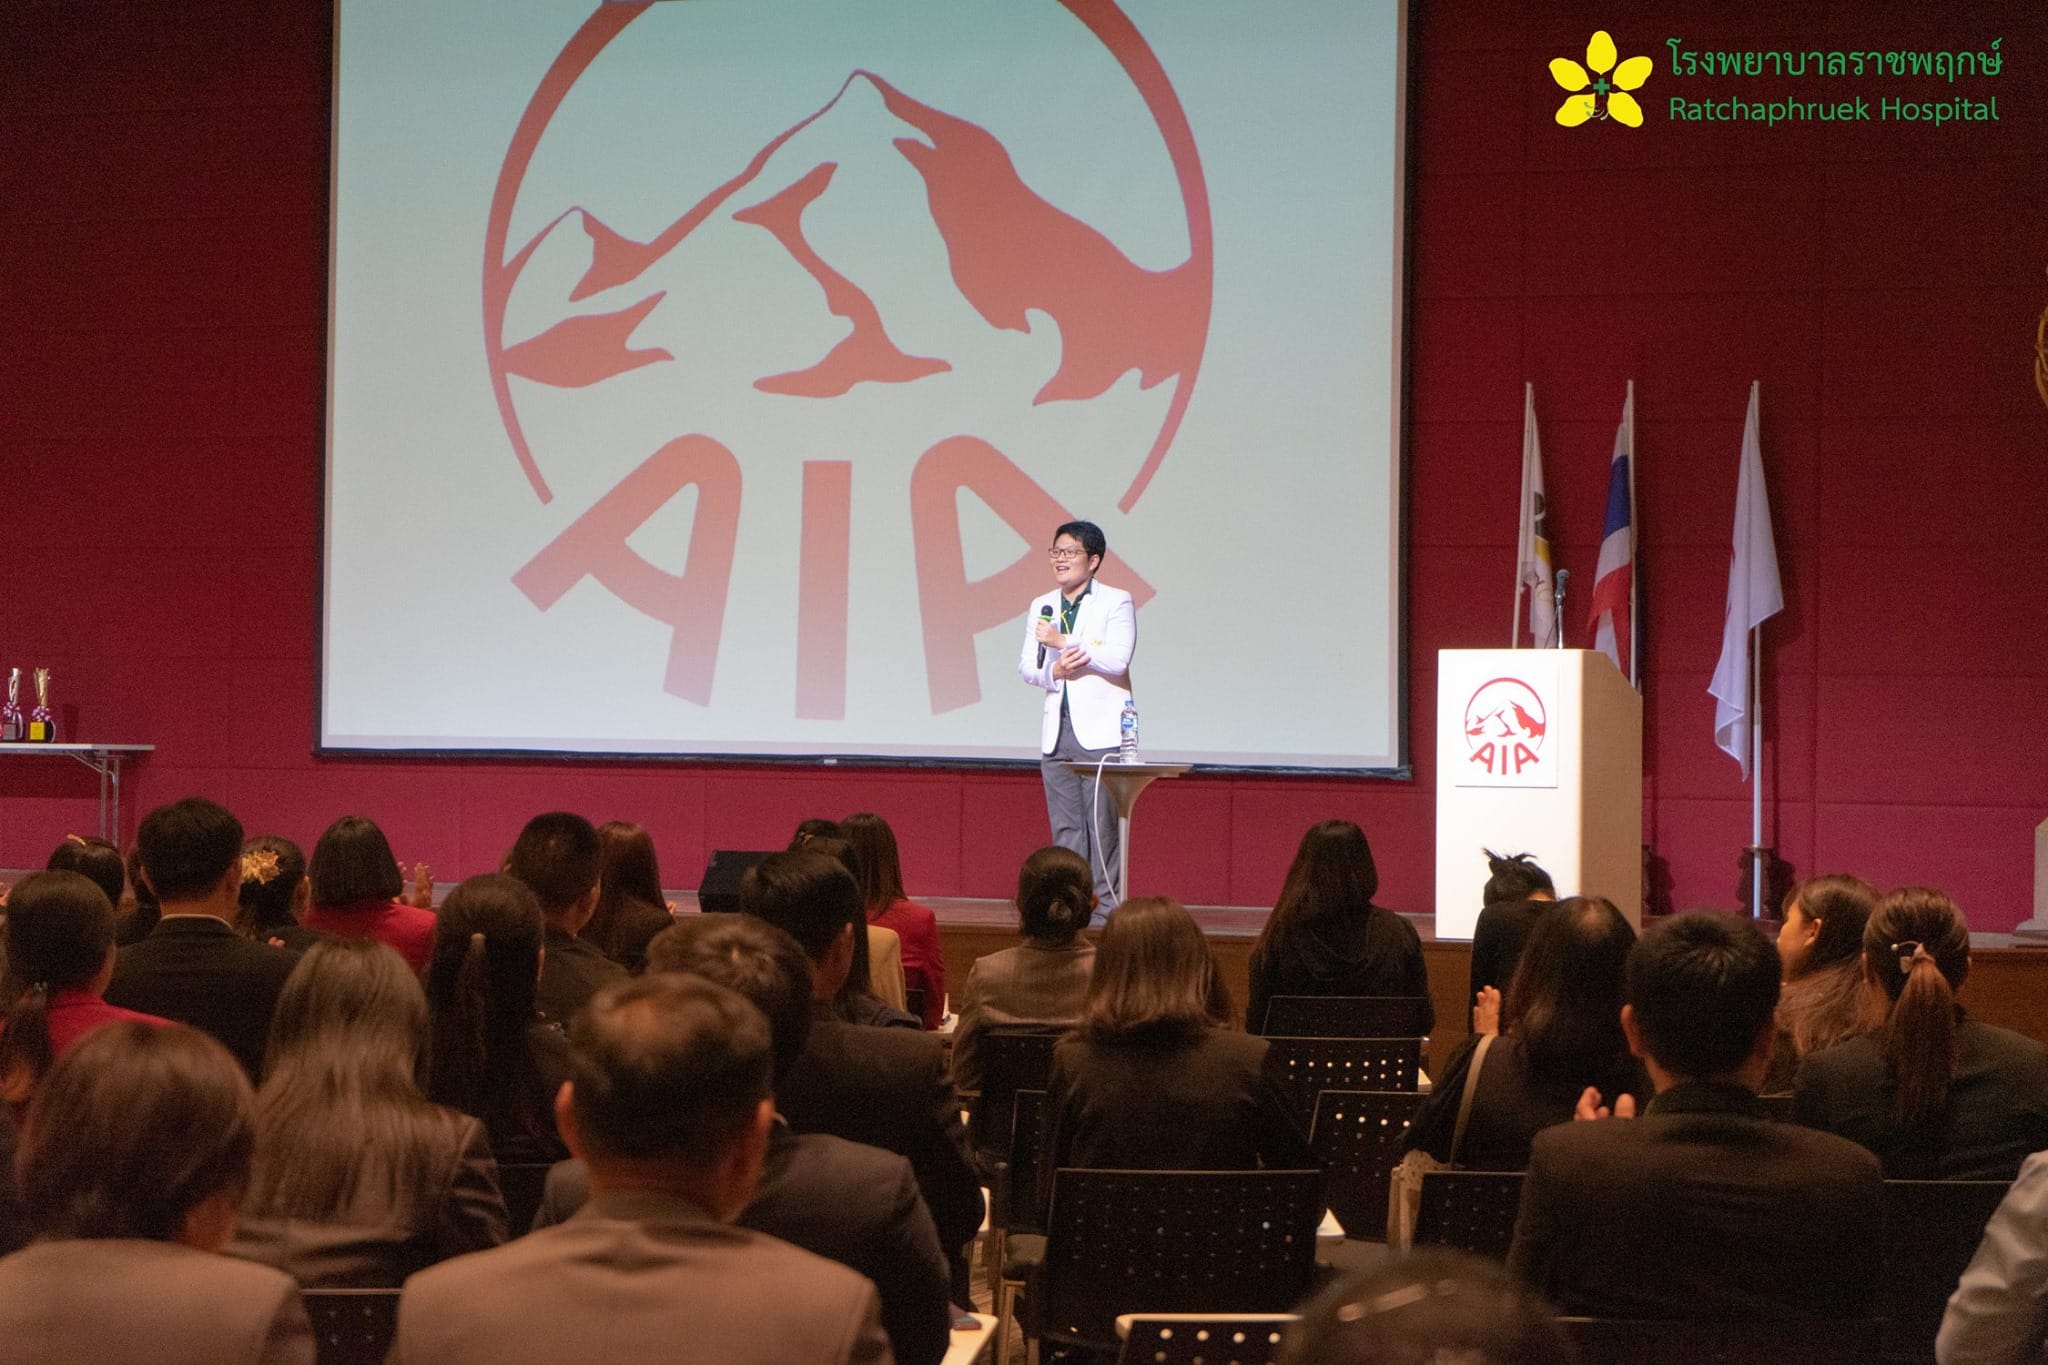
1505,726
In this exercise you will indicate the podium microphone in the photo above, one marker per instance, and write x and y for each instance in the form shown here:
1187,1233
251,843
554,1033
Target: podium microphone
1564,576
1044,614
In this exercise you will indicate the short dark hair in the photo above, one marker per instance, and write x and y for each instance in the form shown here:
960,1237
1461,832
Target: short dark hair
187,847
1431,1305
807,895
754,958
559,855
1088,533
95,858
353,862
668,1065
1514,877
133,1128
1703,987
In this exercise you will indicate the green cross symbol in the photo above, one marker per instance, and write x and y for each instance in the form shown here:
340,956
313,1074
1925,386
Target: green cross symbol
1600,85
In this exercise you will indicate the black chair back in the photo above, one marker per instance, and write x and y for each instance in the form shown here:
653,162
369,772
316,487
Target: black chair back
1470,1211
1308,1066
1931,1230
1170,1242
1203,1340
1347,1016
522,1184
1013,1057
1016,1200
1358,1136
352,1326
1621,1341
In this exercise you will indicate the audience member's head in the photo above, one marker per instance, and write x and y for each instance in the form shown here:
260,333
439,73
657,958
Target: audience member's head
340,1103
352,864
1055,896
880,867
1154,978
559,855
753,958
1564,1002
1515,877
60,937
670,1089
1429,1308
481,982
813,899
138,1132
95,858
1332,874
628,874
1701,990
859,981
1917,948
192,854
813,828
1823,921
274,885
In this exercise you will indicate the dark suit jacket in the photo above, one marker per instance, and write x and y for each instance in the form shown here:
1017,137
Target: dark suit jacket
122,1302
1702,1208
852,1204
640,1276
1368,951
571,972
889,1088
1997,1106
198,971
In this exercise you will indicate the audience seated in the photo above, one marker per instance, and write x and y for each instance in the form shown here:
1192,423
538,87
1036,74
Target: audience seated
883,969
96,859
492,1056
1044,980
559,856
1703,1208
275,893
133,1156
882,897
1325,936
1999,1312
1825,999
1560,1033
1516,894
358,892
886,1087
1429,1308
194,967
670,1109
631,907
1936,1094
358,1181
60,955
139,911
1147,1080
859,1001
849,1203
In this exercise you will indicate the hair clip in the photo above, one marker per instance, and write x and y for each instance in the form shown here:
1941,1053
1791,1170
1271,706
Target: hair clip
78,839
1911,951
260,866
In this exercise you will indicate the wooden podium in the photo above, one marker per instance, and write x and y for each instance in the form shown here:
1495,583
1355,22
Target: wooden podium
1537,751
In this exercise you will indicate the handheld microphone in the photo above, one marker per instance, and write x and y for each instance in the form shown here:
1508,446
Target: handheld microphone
1564,577
1044,614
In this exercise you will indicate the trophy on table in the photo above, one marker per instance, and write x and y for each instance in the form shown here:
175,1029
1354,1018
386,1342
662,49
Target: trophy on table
10,714
42,724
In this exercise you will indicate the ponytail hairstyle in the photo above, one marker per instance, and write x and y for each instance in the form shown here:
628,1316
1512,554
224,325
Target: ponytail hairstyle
1515,877
141,921
60,928
273,870
1917,948
481,984
1055,896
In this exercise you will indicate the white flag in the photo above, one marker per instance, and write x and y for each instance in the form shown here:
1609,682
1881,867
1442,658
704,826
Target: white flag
1754,596
1532,545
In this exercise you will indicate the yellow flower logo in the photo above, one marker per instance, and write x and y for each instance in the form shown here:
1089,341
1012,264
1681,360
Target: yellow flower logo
1621,106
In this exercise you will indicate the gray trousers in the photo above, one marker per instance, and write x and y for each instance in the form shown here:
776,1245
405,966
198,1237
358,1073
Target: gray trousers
1080,820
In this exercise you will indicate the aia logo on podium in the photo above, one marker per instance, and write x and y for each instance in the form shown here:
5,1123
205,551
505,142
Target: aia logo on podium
1505,725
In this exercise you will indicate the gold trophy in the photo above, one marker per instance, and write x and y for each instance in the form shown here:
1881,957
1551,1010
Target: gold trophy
42,725
10,714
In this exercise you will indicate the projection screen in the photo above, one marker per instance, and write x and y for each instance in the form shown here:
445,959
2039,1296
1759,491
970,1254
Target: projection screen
709,376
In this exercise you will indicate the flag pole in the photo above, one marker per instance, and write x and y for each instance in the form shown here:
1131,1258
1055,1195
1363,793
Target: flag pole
1756,770
1635,633
1521,515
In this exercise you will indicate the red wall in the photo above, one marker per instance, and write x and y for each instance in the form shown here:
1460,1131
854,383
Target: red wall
162,238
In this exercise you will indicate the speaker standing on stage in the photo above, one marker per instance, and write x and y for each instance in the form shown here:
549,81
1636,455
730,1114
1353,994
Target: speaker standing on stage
1078,642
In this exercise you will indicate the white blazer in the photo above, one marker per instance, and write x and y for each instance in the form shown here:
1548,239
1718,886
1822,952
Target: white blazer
1107,627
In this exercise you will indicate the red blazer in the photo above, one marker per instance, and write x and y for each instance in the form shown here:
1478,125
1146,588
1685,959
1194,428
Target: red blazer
406,928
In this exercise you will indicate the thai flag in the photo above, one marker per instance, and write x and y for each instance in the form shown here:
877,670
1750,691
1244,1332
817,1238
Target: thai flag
1614,582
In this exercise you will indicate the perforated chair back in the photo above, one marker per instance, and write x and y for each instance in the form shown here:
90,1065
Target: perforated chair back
1469,1211
352,1326
1308,1066
1347,1016
1013,1057
1931,1230
1017,1202
1358,1136
1623,1341
1171,1242
522,1184
1205,1339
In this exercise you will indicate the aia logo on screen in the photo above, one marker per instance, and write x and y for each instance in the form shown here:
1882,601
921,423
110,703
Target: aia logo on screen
1505,725
735,370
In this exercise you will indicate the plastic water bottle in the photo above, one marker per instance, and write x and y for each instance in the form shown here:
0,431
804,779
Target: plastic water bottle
1128,752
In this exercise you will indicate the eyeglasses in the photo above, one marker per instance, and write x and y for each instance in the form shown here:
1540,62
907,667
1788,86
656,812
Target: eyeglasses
1061,556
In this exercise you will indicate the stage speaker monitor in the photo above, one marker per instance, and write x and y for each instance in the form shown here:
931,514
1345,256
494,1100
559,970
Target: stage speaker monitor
719,890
